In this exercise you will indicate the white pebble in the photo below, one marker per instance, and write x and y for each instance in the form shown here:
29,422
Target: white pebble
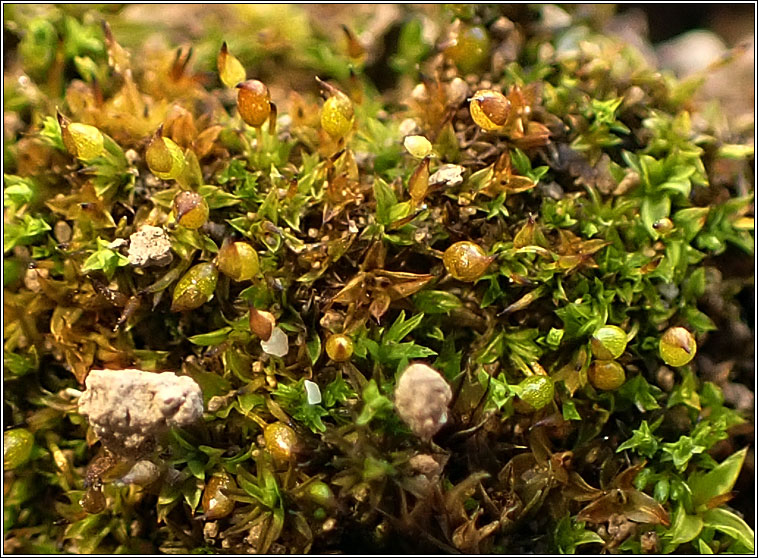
313,392
277,344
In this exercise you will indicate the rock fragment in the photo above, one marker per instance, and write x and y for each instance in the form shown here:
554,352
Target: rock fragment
130,409
149,246
447,175
422,397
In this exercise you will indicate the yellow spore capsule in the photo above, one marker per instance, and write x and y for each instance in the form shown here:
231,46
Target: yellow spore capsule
281,441
606,375
238,260
190,210
253,102
489,109
608,342
470,50
164,158
339,347
216,502
418,146
337,115
83,141
466,261
677,346
230,70
537,391
195,288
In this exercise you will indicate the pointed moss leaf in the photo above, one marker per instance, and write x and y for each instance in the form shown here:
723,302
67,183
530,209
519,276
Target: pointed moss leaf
732,525
718,481
211,338
385,199
402,327
684,527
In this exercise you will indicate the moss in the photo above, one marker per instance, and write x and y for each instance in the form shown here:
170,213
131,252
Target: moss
604,195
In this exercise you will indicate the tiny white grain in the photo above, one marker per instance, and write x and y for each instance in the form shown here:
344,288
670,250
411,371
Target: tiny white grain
313,392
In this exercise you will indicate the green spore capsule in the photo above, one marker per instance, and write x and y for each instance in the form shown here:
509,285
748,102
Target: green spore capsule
238,260
608,342
537,391
195,288
190,210
17,447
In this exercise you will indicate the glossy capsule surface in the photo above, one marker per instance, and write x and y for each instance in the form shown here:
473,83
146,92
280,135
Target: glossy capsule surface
17,447
239,261
82,140
677,346
489,109
466,261
253,102
190,210
195,288
470,49
608,342
281,441
337,115
606,375
164,158
537,391
216,502
339,347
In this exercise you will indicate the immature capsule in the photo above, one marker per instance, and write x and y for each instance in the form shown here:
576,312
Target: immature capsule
466,261
17,447
281,441
216,503
470,49
339,347
93,500
262,323
489,109
164,158
230,70
677,346
606,375
253,102
320,494
238,260
663,226
195,288
337,114
81,140
608,342
418,146
537,390
190,209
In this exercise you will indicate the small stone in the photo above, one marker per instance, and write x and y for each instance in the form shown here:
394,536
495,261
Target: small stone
278,344
408,127
149,246
62,231
210,530
32,278
129,409
457,91
448,175
425,464
422,397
